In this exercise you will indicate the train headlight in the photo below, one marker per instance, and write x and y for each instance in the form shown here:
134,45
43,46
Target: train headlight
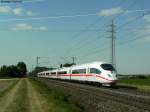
109,75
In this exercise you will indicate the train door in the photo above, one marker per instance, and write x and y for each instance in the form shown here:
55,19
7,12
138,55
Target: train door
92,74
70,74
87,74
56,75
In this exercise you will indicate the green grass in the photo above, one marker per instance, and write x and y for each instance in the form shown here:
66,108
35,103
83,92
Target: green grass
136,81
55,96
9,84
20,101
141,84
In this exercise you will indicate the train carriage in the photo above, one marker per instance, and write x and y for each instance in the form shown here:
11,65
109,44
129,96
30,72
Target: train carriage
100,72
63,73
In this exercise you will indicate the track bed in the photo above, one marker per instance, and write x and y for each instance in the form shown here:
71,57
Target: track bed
94,99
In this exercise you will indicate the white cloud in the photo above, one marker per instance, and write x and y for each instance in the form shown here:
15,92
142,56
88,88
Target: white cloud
146,30
23,26
18,11
147,38
28,27
5,9
111,11
32,1
147,18
29,13
43,28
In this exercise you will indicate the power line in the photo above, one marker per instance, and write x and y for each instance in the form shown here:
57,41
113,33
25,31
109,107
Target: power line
104,25
119,44
121,26
47,17
37,60
76,36
128,21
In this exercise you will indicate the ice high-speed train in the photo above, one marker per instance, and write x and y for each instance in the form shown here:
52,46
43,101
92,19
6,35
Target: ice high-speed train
98,72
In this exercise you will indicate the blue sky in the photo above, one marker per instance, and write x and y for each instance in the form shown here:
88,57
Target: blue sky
61,29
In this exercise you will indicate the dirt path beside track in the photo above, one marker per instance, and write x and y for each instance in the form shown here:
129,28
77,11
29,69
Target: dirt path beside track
37,103
23,97
28,95
7,99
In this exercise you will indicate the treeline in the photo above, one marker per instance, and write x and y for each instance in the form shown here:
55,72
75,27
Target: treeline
18,70
39,69
138,76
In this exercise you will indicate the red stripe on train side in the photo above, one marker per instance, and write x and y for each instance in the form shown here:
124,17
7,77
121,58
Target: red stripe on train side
86,75
103,78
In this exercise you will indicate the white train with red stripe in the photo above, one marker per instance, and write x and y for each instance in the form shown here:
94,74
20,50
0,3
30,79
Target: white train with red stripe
98,72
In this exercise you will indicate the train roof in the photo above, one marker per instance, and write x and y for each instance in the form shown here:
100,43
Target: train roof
97,63
92,63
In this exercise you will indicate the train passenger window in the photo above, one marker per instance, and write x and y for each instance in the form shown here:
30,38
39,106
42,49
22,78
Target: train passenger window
47,73
62,72
95,71
79,71
107,67
53,73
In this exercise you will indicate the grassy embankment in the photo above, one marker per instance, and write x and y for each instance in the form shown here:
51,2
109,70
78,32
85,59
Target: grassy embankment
6,85
56,99
28,95
141,84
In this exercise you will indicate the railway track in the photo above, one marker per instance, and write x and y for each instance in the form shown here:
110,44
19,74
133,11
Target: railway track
95,99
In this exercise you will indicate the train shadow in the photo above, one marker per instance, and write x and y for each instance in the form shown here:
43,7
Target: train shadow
124,87
94,84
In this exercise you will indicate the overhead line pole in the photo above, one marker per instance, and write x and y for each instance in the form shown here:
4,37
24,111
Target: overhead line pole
37,61
73,60
113,38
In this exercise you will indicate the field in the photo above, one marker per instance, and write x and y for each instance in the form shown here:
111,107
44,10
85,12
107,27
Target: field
139,83
45,95
28,95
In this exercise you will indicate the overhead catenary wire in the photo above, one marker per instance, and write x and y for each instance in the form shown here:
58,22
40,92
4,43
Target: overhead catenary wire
78,16
128,22
137,37
96,48
131,5
46,18
121,2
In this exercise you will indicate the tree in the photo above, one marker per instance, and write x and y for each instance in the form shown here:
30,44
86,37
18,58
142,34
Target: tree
3,71
13,71
18,70
40,69
21,66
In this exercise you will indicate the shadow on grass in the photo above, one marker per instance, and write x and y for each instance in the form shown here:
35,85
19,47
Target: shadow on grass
125,87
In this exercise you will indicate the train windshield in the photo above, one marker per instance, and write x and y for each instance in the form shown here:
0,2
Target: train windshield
107,67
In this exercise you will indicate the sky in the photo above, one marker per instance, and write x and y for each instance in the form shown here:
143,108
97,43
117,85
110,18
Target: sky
57,30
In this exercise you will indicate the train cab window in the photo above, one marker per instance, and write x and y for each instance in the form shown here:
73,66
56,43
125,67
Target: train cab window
79,71
95,71
107,67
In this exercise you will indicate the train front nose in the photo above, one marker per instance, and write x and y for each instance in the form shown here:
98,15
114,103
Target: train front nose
113,77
